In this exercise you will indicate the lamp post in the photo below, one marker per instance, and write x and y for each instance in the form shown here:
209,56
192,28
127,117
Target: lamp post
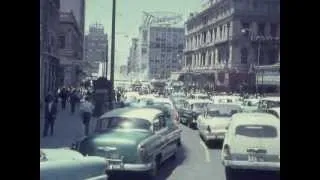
111,94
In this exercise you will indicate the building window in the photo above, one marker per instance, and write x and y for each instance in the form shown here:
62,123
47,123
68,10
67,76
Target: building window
220,31
261,27
272,56
244,56
215,33
211,33
273,30
261,57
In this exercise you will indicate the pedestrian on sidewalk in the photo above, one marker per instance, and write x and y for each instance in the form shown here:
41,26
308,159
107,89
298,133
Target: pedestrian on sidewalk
86,109
50,115
64,97
73,101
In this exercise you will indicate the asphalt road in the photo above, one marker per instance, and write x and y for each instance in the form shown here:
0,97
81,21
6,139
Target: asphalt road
194,161
197,161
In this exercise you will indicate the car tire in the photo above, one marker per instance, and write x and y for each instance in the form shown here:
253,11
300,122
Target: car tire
152,173
230,173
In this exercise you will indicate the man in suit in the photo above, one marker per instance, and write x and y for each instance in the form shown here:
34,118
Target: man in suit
50,115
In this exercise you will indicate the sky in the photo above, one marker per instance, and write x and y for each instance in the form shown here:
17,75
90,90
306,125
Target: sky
129,18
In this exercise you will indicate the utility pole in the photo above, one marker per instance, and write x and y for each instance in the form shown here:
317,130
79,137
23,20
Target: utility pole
112,52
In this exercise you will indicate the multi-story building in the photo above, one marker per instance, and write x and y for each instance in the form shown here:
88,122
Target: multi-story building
78,9
227,38
70,49
160,50
132,65
49,58
96,44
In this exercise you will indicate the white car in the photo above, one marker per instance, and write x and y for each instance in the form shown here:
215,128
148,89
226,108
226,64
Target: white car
213,123
250,105
226,99
252,142
268,102
199,96
65,163
274,111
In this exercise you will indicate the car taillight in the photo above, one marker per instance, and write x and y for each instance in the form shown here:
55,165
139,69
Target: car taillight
227,152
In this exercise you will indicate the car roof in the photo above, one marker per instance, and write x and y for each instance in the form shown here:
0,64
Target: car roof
224,105
193,101
254,118
271,99
132,112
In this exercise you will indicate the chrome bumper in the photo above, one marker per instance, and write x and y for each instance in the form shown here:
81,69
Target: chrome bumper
272,166
118,165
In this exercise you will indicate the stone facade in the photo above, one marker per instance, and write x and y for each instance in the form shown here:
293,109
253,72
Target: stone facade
70,49
228,37
49,58
132,65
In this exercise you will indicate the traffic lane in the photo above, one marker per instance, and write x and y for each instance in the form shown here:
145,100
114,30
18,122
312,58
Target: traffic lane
193,161
215,152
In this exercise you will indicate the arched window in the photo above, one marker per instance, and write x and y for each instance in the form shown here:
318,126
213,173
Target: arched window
244,55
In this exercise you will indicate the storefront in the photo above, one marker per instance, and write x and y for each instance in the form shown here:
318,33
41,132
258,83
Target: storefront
268,78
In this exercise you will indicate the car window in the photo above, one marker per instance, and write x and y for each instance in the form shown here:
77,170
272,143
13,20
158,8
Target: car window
159,123
221,113
122,123
257,131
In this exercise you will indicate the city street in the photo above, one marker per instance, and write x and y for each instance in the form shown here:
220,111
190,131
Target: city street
194,161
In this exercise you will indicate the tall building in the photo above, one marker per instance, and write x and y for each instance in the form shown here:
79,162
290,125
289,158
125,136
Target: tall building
132,65
160,50
227,39
70,50
96,46
49,58
78,9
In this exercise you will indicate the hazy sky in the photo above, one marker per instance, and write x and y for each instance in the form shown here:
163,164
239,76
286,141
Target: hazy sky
129,17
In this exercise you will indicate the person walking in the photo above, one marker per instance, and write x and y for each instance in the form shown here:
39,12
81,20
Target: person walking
64,97
86,109
74,99
50,114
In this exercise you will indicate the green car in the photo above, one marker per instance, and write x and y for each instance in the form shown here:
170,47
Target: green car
133,139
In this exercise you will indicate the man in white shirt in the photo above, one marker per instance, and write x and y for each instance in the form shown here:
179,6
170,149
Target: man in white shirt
86,109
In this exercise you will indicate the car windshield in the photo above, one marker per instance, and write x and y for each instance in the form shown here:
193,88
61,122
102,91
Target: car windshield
257,131
122,123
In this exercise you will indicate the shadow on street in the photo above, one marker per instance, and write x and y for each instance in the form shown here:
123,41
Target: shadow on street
256,175
164,172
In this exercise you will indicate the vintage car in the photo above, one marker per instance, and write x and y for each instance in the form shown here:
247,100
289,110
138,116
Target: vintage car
274,111
65,163
213,123
267,103
250,105
133,140
199,96
190,111
251,142
226,99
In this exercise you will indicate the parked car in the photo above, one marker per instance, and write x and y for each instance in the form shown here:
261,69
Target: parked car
213,123
274,111
64,163
251,142
191,110
133,140
250,105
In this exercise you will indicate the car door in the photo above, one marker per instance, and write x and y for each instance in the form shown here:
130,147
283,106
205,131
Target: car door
162,131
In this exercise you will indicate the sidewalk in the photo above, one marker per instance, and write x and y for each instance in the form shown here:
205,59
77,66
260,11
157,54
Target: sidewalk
67,129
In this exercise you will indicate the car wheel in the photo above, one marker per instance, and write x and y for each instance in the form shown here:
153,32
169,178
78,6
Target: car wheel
230,173
155,167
